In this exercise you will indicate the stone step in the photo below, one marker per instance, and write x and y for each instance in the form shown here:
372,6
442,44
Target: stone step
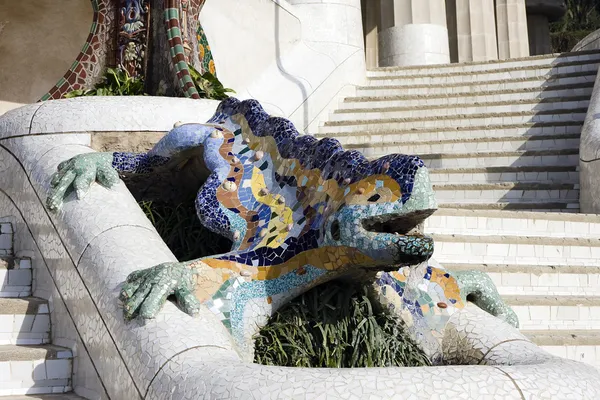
511,223
399,87
505,192
24,321
516,249
15,277
577,345
480,144
536,280
497,75
563,59
449,99
546,174
476,132
62,396
563,157
34,369
507,119
540,312
552,206
549,105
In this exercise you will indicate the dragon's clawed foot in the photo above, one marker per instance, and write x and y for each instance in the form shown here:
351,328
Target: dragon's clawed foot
79,173
146,290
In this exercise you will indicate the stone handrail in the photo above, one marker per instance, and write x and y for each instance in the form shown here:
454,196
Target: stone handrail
91,245
589,148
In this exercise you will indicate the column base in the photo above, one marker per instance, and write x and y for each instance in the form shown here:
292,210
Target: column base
414,44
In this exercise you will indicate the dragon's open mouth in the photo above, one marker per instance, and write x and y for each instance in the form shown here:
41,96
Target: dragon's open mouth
397,224
412,246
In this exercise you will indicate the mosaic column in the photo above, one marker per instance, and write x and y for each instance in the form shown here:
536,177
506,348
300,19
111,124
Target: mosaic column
98,52
511,20
476,30
413,32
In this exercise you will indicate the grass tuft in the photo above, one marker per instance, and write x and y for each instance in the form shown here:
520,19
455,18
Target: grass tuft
336,326
181,230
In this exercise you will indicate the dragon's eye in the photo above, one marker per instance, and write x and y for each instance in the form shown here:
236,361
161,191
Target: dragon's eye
374,198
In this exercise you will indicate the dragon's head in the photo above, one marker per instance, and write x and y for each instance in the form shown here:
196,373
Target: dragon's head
380,213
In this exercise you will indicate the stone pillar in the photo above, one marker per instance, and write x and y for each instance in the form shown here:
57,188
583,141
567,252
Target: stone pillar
452,29
511,25
476,30
539,15
538,30
372,18
413,32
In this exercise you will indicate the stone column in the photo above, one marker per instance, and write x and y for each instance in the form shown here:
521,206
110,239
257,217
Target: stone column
413,32
372,18
511,20
538,30
539,15
476,30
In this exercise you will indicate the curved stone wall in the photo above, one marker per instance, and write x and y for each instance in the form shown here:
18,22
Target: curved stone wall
296,57
90,247
589,147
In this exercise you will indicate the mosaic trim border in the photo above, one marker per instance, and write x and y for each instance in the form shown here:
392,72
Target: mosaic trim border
132,38
177,50
203,60
97,52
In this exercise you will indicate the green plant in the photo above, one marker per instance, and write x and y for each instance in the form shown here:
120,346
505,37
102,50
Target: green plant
335,326
116,82
565,41
581,19
181,230
208,85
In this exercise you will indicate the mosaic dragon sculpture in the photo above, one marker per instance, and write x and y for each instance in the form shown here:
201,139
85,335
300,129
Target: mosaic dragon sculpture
300,212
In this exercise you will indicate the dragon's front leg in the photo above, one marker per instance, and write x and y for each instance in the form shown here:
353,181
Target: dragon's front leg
477,287
146,290
79,172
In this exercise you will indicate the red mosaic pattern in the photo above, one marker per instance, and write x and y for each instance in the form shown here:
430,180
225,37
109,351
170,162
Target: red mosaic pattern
100,48
173,10
98,52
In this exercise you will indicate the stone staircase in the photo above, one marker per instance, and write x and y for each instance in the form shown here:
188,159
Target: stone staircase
29,363
501,140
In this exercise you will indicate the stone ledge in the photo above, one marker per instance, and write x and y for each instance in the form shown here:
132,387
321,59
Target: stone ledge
504,81
556,338
546,100
556,56
531,206
585,218
584,85
9,352
488,71
540,300
23,305
524,268
461,117
512,239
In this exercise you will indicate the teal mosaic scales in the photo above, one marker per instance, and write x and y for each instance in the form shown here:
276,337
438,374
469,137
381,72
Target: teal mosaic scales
299,211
